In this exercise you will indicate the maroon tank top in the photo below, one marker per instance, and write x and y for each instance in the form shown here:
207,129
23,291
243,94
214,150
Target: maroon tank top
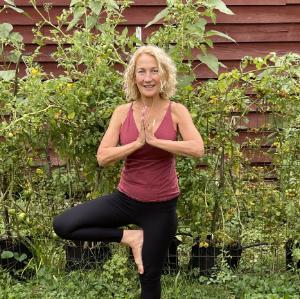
149,173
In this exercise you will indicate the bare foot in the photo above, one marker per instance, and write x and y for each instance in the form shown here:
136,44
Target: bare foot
135,239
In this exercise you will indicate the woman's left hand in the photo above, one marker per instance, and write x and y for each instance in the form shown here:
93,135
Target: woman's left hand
149,132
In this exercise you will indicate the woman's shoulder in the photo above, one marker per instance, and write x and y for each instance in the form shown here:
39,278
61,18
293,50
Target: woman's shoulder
120,113
122,110
178,108
123,107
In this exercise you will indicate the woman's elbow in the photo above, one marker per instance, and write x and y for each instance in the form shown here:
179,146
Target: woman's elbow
101,160
199,152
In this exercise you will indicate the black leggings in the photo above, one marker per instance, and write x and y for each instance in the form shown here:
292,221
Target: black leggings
100,219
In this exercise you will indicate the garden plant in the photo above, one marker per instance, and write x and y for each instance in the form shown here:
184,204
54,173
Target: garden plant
245,190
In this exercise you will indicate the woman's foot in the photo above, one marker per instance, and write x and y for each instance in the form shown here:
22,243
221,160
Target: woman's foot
135,239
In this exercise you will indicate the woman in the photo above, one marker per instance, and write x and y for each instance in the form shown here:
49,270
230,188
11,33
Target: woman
143,133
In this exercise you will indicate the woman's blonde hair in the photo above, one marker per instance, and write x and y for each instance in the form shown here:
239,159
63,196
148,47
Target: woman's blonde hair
166,69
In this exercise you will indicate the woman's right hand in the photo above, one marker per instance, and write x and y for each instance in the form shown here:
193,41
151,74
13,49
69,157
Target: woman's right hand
142,136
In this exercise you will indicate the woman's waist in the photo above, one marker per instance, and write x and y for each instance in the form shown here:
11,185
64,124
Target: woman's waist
148,167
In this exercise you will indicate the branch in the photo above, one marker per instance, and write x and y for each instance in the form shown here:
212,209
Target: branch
29,114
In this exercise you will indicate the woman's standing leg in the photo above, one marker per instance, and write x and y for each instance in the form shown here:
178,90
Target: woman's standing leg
159,223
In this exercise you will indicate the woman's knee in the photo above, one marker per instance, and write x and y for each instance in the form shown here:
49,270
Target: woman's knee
60,227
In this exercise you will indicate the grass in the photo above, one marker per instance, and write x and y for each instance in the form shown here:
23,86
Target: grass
117,280
258,276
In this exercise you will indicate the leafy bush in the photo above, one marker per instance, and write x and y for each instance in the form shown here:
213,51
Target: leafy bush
51,126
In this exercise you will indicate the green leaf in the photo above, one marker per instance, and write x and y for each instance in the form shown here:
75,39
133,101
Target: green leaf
158,17
11,2
13,56
91,21
219,5
17,37
125,31
73,2
245,120
19,10
211,61
215,32
5,30
112,4
7,254
200,25
77,14
7,75
203,49
185,80
171,2
95,6
296,254
71,115
21,257
209,42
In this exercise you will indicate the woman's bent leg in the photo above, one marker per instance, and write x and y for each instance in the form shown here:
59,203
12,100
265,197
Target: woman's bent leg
95,220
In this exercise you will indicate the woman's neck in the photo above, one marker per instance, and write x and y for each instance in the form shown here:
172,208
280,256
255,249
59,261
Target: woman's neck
149,102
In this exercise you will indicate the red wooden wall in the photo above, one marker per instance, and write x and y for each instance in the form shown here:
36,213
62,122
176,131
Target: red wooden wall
258,26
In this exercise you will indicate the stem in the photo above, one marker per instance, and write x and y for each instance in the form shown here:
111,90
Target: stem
16,75
5,197
29,114
47,21
221,186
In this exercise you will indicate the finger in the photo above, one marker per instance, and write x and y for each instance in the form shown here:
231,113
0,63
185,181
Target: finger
144,112
153,124
147,123
143,124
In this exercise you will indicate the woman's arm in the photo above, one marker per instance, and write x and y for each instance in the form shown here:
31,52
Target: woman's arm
192,143
109,151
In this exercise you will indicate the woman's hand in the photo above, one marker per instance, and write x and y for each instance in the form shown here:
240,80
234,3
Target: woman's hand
146,132
149,132
142,136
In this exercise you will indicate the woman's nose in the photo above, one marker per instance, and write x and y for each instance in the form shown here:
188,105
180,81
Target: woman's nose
148,76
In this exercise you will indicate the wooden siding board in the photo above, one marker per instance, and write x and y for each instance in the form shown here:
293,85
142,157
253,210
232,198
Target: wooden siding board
255,2
245,32
254,120
142,15
14,18
262,14
203,73
258,32
243,15
259,27
238,51
227,2
224,52
242,34
293,1
160,2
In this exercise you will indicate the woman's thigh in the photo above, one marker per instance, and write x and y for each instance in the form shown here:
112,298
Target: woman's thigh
108,211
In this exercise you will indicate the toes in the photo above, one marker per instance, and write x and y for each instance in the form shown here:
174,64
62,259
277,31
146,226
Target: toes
141,271
140,268
139,263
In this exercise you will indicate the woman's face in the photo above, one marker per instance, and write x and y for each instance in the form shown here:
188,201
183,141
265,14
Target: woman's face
147,76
